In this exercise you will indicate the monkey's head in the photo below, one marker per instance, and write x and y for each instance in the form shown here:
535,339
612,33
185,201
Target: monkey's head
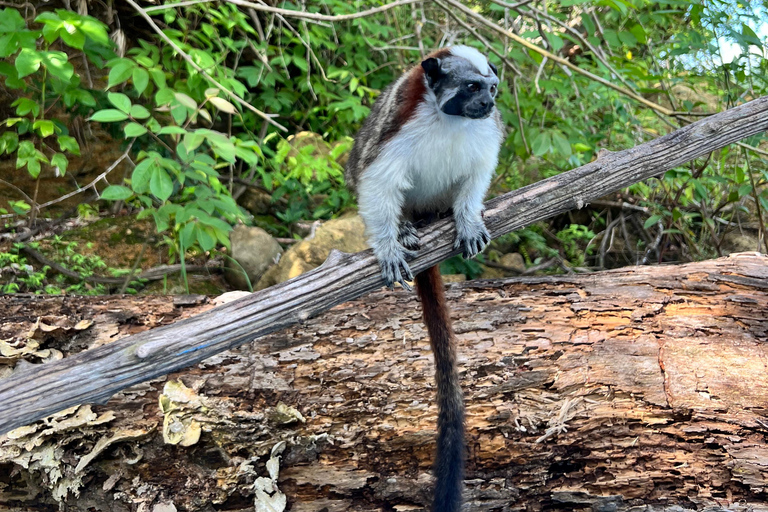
463,81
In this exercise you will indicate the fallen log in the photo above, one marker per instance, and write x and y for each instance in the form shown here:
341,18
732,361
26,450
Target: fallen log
638,389
94,376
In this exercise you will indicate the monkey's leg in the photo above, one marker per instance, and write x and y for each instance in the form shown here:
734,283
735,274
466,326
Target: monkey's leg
408,237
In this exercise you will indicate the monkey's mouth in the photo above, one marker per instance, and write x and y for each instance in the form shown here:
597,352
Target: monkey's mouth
478,112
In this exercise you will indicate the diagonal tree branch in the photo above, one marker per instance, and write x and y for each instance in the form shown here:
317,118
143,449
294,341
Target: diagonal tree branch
95,375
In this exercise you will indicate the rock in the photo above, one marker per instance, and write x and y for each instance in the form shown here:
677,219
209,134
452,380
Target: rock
255,251
513,260
745,241
346,234
256,201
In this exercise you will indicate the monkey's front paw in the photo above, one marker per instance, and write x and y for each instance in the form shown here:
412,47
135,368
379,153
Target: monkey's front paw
408,237
396,270
472,244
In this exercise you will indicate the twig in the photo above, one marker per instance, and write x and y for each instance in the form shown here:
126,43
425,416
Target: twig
538,73
93,183
235,97
520,116
21,193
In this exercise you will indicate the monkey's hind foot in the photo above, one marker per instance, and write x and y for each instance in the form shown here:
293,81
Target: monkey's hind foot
472,244
408,237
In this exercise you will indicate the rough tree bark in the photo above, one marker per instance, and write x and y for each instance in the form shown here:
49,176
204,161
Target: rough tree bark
639,389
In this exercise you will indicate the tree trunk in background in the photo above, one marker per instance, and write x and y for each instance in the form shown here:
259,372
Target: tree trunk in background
642,389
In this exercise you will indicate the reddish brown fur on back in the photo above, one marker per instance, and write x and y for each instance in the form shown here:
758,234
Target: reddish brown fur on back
413,91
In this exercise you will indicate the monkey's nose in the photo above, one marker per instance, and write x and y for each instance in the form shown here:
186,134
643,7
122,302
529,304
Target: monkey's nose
484,104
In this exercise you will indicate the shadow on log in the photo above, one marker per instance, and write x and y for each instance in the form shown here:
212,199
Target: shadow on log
640,389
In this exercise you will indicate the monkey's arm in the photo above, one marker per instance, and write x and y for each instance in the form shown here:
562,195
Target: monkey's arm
471,233
380,200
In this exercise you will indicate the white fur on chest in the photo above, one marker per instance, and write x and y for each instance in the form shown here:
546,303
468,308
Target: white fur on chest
438,152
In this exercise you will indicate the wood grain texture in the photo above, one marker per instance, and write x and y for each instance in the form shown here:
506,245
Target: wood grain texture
94,376
633,390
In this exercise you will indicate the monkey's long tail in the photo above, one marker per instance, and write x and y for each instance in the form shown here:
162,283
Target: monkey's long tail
449,461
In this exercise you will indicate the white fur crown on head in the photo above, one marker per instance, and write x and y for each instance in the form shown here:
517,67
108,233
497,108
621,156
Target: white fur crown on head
475,57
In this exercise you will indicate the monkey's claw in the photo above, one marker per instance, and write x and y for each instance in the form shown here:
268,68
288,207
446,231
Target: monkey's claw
472,245
408,237
396,270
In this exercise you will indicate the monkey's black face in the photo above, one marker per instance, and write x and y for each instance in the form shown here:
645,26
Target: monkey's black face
473,99
460,89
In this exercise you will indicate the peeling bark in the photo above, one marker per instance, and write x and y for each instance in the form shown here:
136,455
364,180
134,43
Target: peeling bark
639,389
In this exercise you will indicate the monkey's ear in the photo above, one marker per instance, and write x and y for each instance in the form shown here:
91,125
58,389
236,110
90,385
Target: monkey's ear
431,68
493,68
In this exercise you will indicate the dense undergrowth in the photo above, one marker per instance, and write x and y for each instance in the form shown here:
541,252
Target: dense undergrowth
211,102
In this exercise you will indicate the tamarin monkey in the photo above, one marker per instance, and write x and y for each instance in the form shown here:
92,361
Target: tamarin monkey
431,144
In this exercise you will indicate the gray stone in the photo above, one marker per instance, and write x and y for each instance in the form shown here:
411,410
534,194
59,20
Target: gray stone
255,251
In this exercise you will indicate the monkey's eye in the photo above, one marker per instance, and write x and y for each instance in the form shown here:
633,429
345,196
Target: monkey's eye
473,87
493,89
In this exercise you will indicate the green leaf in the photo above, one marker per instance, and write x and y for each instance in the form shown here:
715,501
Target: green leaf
192,141
134,130
749,36
58,65
72,36
172,130
160,184
119,100
206,240
745,190
60,162
25,105
109,115
44,127
116,193
187,235
11,20
163,96
185,100
95,30
120,72
541,144
67,143
9,141
158,77
79,97
561,144
27,62
141,175
140,79
26,150
652,220
139,112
